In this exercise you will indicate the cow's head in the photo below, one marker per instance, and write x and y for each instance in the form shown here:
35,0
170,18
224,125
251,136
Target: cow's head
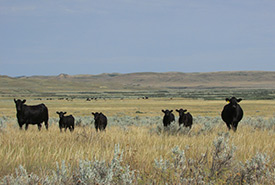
19,104
61,114
96,115
167,112
181,112
233,101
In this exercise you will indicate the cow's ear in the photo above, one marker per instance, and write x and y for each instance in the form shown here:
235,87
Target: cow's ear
184,110
163,111
24,101
93,113
239,100
177,110
65,113
57,112
14,100
171,111
227,99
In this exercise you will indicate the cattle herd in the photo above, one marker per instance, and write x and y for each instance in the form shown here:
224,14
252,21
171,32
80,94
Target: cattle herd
37,114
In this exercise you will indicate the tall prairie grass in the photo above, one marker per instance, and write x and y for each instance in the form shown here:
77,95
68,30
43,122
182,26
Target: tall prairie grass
146,147
39,152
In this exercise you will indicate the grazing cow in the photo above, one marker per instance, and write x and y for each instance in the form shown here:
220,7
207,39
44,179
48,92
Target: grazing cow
168,117
185,119
100,121
232,113
65,121
35,114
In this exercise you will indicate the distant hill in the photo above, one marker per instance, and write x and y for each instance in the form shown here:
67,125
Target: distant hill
137,81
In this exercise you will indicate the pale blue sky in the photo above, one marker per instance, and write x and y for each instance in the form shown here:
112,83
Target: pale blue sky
103,36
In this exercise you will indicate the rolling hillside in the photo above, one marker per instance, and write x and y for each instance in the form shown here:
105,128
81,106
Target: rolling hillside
63,83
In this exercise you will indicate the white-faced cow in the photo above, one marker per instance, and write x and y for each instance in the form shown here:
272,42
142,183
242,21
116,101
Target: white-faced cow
65,121
168,117
100,121
232,113
185,119
35,114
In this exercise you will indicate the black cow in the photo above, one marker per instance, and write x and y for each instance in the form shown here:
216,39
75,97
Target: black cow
65,121
100,121
185,119
232,113
168,117
35,114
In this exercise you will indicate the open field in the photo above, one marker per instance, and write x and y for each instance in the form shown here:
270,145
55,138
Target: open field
136,127
134,107
38,152
136,149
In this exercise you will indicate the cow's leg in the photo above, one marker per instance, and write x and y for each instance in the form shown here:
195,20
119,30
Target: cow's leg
234,126
66,128
26,127
101,128
46,124
39,126
60,129
228,125
20,126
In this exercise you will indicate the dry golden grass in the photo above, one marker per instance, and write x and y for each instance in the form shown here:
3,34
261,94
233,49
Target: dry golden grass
38,151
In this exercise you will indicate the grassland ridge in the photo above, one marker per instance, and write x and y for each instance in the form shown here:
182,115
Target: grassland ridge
143,81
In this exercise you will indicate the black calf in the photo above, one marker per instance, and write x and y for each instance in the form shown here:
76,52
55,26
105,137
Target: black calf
168,117
65,121
185,119
100,121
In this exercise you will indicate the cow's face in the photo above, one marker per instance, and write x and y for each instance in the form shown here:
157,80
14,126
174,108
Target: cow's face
19,104
181,112
167,112
233,101
96,115
61,114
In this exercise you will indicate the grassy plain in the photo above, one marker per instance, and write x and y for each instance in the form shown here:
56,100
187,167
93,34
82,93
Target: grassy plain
202,94
38,151
133,107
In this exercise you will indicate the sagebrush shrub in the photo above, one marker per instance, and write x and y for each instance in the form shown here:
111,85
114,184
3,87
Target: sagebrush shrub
217,165
88,172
